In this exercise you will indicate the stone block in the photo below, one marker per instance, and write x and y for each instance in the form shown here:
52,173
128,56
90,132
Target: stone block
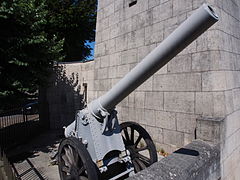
100,49
205,61
111,46
122,70
188,138
177,82
108,10
179,64
186,123
163,70
101,73
155,133
104,61
146,86
170,25
166,120
125,26
202,43
210,129
236,78
129,56
236,99
119,4
180,7
131,100
195,161
160,13
136,38
105,34
229,101
232,123
132,114
173,137
139,99
144,51
114,19
154,33
125,113
140,118
121,43
142,20
115,59
210,104
154,100
153,3
114,30
230,79
150,117
179,102
112,72
214,81
142,6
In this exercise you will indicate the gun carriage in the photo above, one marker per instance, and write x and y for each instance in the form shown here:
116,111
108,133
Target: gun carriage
96,146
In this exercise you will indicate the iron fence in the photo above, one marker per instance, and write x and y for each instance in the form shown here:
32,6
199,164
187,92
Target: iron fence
16,125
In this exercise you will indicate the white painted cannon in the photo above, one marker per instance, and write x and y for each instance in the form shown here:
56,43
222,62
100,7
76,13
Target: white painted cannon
94,147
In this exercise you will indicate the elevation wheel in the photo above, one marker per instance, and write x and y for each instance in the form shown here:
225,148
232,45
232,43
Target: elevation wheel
74,161
140,145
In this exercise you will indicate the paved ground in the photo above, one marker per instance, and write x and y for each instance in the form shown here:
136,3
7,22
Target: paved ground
32,160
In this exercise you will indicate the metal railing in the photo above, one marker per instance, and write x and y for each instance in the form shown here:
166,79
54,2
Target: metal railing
16,125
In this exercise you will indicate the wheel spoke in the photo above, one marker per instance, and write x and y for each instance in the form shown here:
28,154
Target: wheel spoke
69,154
72,154
140,163
126,135
136,166
138,140
141,148
81,170
124,140
66,161
145,159
132,135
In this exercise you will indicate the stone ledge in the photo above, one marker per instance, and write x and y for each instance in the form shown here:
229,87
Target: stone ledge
195,161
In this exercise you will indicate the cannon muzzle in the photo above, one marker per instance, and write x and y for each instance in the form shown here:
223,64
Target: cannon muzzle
187,32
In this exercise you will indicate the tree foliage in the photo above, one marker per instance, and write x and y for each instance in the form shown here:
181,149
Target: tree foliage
33,34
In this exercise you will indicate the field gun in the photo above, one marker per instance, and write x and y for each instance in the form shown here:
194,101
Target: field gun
96,146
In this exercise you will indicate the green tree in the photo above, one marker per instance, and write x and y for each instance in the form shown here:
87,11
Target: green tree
33,34
73,21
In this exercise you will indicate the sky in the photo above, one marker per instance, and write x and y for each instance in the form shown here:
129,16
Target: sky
92,45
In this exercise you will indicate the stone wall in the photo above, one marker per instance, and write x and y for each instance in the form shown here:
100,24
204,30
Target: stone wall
201,82
66,92
196,161
195,96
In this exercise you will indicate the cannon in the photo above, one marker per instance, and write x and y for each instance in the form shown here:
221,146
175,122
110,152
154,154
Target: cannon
96,145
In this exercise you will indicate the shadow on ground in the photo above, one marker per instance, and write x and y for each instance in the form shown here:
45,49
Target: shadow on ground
32,160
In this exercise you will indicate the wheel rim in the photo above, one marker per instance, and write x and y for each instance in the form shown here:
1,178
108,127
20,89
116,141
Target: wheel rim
139,143
71,165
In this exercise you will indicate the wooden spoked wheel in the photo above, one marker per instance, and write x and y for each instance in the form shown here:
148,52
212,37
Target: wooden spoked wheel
140,145
74,161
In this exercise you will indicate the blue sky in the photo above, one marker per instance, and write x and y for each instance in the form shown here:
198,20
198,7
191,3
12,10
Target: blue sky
92,45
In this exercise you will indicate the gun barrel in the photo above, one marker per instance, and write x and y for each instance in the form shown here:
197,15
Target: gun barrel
202,19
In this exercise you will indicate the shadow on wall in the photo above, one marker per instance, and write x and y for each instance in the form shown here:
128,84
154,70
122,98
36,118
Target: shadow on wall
62,97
